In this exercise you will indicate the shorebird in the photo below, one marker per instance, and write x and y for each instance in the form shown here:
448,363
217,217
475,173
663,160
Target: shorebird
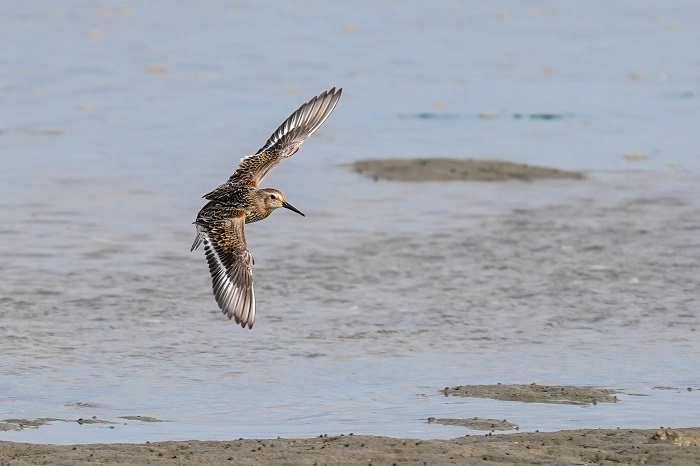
220,223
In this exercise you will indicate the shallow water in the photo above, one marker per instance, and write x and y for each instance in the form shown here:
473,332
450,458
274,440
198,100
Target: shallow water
116,118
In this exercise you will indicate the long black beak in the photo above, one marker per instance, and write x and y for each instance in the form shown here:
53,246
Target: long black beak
289,206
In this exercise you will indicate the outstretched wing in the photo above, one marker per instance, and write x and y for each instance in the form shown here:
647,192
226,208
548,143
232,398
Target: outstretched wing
230,265
285,141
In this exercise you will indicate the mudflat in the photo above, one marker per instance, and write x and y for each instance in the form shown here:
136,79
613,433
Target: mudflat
575,447
449,169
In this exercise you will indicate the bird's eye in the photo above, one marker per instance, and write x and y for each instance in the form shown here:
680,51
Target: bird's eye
272,196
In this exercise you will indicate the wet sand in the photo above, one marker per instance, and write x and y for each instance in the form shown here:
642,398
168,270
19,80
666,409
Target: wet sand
447,169
604,446
679,446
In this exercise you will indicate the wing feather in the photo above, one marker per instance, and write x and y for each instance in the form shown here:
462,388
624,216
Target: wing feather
287,138
230,266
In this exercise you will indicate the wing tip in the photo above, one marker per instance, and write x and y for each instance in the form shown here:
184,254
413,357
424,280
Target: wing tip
243,317
249,322
305,120
334,91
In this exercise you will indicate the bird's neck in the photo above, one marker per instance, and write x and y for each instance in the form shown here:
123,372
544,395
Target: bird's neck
257,209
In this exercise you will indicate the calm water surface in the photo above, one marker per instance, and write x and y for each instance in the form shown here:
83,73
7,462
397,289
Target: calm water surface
117,117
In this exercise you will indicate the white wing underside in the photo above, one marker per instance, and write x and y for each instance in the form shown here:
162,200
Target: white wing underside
288,137
232,281
303,123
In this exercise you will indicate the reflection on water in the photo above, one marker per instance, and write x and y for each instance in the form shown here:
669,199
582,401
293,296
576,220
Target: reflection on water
385,292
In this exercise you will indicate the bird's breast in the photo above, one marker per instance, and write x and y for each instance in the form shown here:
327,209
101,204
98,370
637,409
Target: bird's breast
256,215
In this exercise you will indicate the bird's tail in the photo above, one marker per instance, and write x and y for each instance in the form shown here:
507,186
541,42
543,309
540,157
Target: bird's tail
198,239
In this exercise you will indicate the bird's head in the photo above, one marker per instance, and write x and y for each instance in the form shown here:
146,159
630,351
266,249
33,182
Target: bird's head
274,199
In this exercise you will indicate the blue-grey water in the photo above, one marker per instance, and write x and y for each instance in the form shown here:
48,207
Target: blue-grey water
115,117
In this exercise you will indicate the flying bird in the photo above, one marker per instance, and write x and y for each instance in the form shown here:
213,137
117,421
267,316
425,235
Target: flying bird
220,224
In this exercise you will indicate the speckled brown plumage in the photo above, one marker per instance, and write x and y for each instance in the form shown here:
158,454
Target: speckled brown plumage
220,223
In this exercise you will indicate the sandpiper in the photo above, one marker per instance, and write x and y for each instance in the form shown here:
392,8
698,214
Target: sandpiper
220,223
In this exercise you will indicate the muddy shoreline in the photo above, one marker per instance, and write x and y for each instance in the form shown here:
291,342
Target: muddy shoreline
575,447
679,446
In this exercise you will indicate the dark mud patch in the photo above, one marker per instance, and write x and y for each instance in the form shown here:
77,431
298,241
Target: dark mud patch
534,393
141,418
89,420
476,423
21,424
84,405
445,169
